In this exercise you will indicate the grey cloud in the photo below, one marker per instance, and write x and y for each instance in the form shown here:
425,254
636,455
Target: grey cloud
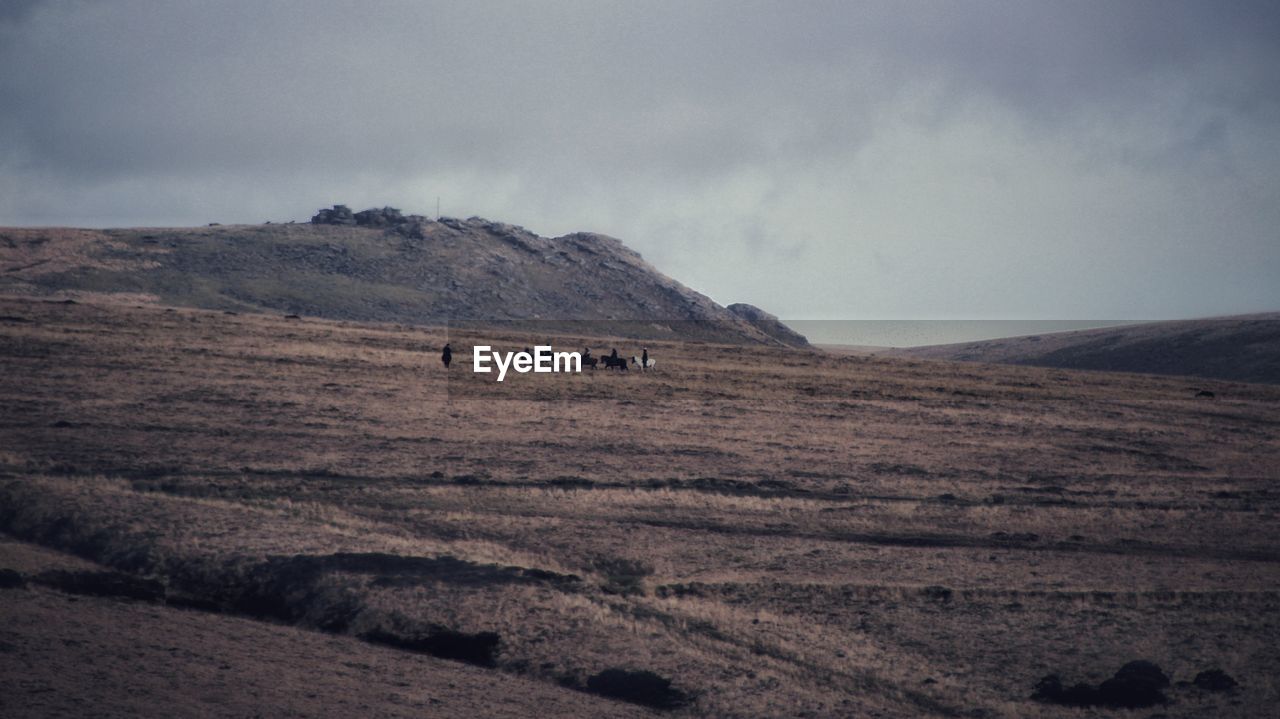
782,153
14,11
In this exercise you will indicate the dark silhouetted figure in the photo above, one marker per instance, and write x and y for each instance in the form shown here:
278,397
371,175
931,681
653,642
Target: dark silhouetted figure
614,353
447,356
644,359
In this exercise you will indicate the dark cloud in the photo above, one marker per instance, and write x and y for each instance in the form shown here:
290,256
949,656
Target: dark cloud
834,158
14,11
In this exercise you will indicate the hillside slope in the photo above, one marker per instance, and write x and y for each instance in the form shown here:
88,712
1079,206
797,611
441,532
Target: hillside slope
1244,348
411,270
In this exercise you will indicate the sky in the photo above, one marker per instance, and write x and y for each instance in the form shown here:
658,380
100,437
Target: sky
823,160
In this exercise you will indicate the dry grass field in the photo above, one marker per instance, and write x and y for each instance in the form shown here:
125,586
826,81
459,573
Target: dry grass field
774,532
1244,348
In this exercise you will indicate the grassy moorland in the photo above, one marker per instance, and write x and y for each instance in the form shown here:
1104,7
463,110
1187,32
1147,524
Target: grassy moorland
775,532
1244,348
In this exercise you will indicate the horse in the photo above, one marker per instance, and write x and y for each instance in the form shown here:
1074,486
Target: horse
648,365
590,362
610,362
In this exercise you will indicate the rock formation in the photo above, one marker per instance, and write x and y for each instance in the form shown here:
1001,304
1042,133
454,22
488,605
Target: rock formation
768,324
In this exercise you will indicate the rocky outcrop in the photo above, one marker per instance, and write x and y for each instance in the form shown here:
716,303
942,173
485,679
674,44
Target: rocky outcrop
382,265
768,324
339,215
386,217
372,217
415,229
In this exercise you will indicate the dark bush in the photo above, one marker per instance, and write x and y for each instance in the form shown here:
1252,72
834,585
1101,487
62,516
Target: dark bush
186,601
1135,685
11,579
480,649
623,576
1129,694
1214,680
937,593
102,584
637,687
1143,672
1050,691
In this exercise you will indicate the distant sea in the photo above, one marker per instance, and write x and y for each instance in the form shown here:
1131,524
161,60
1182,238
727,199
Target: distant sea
918,333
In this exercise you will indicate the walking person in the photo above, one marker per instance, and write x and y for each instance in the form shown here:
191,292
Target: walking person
447,356
644,360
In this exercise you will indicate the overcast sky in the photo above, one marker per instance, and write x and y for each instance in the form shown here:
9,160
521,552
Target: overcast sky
1101,160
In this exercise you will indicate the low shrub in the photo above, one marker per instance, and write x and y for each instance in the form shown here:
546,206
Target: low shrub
637,687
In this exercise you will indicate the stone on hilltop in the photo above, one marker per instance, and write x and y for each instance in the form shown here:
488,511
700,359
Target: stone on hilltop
339,215
372,217
386,217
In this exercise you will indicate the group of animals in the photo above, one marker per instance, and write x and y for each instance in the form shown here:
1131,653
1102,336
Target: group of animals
612,361
619,363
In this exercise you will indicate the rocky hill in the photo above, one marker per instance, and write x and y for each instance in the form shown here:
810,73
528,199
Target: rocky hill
1244,348
380,265
768,324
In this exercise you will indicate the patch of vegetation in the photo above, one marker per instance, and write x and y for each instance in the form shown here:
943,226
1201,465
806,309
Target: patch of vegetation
623,576
480,649
11,579
1135,685
102,584
1215,680
638,687
937,593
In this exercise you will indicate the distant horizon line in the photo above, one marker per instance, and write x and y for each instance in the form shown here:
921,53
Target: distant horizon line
903,334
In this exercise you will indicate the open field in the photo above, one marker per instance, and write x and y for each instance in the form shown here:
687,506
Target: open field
103,657
777,532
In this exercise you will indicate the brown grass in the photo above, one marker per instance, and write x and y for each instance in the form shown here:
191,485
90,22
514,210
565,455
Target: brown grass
780,533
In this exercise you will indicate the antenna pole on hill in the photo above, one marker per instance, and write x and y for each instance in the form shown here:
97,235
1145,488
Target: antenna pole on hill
437,207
